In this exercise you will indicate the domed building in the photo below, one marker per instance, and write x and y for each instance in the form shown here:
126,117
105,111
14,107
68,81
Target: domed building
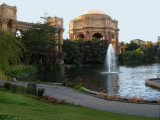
95,23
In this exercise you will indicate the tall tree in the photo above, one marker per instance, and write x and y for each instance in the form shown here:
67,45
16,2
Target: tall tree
10,49
132,46
40,42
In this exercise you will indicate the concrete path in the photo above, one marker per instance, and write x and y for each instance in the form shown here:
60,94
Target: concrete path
72,96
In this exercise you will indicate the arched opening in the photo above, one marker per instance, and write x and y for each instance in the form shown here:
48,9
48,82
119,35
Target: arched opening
9,26
112,36
80,36
98,36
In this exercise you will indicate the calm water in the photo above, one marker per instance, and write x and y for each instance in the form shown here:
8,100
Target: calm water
130,81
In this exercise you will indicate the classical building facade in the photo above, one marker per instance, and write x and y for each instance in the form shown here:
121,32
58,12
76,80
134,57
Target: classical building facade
9,22
95,23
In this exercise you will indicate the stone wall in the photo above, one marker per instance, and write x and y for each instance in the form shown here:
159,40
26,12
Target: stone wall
153,82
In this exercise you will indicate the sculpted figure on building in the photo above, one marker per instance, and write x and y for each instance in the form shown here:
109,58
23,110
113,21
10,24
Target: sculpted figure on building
95,23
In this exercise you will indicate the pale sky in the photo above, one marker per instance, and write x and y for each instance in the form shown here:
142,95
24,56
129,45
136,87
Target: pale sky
137,19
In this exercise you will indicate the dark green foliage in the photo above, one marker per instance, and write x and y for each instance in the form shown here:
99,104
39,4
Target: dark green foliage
30,90
40,92
70,51
7,85
10,50
79,51
132,46
14,88
131,56
144,53
21,89
40,42
8,117
20,70
150,52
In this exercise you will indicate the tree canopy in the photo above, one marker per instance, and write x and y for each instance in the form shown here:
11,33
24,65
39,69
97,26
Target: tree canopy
10,49
40,42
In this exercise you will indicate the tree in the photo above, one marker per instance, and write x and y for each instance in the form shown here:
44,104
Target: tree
71,51
150,51
132,46
158,50
10,50
40,42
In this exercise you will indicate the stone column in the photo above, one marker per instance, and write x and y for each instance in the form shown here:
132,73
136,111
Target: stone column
107,36
117,43
4,25
85,36
90,35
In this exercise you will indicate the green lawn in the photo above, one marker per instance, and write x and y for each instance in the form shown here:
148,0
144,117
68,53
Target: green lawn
30,109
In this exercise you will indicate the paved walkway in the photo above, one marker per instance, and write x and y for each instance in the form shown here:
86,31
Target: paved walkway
72,96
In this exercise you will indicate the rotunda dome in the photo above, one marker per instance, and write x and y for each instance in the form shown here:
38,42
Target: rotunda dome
94,11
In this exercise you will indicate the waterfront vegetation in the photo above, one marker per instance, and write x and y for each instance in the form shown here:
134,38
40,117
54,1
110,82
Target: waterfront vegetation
136,53
25,107
83,52
28,51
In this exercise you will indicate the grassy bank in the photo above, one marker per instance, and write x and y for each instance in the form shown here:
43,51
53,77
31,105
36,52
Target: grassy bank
31,109
20,70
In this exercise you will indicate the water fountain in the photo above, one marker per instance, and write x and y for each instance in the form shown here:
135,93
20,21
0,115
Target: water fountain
110,61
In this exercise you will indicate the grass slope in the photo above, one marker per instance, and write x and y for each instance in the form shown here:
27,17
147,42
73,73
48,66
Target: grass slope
31,109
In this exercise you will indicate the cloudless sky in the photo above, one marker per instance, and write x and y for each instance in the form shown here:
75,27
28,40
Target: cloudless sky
137,19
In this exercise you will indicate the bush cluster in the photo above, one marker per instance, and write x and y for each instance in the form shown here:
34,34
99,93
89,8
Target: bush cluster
23,90
51,100
80,51
20,70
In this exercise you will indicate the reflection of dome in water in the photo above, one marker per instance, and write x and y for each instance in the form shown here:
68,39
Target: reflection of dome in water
94,11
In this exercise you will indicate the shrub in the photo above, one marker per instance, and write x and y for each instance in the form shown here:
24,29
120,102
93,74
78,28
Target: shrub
14,88
77,87
82,90
130,99
52,100
30,90
20,89
64,102
110,96
141,99
64,83
7,85
115,97
121,98
100,94
58,102
46,97
20,70
43,100
40,92
38,98
134,99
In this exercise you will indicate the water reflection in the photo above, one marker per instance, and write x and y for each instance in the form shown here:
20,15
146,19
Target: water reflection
130,81
112,83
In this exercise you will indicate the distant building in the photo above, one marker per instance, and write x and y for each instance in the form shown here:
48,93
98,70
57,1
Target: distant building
137,41
9,22
95,23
